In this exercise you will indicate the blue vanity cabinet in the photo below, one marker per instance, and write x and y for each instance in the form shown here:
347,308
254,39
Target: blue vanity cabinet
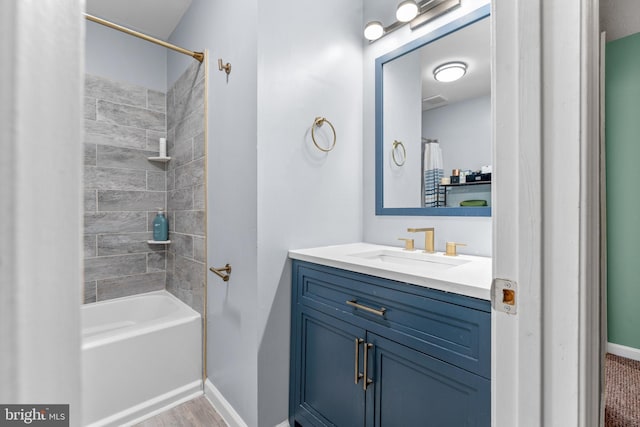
424,354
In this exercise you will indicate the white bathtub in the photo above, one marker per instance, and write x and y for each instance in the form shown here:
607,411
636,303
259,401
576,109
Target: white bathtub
140,354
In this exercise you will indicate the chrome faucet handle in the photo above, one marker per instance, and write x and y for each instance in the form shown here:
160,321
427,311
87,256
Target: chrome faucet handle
408,244
429,238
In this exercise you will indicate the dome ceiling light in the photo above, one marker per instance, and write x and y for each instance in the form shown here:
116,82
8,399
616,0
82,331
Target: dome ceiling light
450,72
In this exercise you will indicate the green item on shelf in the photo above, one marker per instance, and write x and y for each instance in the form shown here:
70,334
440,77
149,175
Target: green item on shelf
473,203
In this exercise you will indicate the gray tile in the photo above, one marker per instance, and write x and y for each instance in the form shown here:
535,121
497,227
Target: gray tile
199,249
113,200
198,146
156,100
186,128
126,243
156,261
153,140
198,197
180,200
114,179
127,158
190,174
156,181
124,93
104,133
170,261
197,300
90,245
171,179
89,292
181,245
114,222
126,115
190,222
130,285
189,274
90,201
188,102
183,295
114,266
90,154
89,108
170,98
181,153
191,76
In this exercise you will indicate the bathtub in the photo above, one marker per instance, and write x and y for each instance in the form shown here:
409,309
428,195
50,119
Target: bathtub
140,354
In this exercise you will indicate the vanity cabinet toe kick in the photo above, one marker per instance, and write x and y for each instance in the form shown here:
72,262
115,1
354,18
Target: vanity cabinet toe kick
367,351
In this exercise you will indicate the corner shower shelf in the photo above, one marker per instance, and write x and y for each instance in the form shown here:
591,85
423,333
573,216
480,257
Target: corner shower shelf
158,242
159,159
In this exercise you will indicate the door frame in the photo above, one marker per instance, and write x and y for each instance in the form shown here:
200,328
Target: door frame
546,220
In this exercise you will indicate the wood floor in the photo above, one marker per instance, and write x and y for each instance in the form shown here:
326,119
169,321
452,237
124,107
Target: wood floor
194,413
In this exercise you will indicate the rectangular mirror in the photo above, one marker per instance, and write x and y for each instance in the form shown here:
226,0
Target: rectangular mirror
426,127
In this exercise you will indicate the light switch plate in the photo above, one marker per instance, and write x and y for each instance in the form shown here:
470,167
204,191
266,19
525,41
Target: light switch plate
504,295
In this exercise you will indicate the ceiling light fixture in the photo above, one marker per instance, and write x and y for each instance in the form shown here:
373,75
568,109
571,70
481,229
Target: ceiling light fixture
450,72
407,10
412,12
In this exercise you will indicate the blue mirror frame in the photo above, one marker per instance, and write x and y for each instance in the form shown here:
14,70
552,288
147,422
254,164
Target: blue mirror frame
453,26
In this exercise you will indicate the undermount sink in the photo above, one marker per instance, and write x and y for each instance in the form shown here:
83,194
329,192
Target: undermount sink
435,262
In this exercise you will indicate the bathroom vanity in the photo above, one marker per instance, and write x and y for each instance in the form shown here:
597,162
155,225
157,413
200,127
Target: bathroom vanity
386,337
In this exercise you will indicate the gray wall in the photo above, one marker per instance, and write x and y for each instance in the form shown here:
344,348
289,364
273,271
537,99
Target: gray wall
118,56
186,187
122,189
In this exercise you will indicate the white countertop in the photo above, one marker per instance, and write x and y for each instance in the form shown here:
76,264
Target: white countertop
471,278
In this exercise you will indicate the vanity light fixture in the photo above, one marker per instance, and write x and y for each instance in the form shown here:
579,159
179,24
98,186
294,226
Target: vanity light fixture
413,13
407,10
450,72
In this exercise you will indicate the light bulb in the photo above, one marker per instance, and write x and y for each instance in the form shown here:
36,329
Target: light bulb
373,30
407,10
449,72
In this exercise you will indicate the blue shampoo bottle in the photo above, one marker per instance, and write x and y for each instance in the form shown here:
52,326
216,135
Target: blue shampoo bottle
160,227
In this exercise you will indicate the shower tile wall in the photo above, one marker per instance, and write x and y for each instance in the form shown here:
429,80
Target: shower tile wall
186,270
122,189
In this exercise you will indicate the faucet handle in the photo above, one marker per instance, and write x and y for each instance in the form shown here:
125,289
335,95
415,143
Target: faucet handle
451,248
408,244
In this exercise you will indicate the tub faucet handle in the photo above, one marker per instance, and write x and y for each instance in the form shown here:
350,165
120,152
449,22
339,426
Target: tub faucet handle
408,244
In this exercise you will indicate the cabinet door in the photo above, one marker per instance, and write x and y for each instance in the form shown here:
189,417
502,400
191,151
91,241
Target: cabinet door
411,388
326,392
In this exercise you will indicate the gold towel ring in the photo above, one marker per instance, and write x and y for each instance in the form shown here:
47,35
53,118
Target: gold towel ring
397,143
319,121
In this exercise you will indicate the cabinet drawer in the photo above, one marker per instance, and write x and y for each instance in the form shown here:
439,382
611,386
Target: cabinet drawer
450,327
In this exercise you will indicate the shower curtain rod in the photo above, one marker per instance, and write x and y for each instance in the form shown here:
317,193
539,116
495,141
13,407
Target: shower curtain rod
197,55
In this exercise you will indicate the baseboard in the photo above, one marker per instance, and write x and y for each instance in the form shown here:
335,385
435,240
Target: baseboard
222,406
623,351
152,407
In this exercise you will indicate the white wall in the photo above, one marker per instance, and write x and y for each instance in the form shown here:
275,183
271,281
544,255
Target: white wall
464,132
119,56
307,67
41,77
476,232
402,103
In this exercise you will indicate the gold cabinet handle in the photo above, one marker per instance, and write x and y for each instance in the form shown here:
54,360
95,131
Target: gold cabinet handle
357,374
354,303
367,380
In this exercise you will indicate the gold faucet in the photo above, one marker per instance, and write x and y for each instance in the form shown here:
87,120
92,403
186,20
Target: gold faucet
429,237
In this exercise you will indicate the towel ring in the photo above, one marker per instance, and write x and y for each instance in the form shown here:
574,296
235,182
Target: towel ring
319,121
397,143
